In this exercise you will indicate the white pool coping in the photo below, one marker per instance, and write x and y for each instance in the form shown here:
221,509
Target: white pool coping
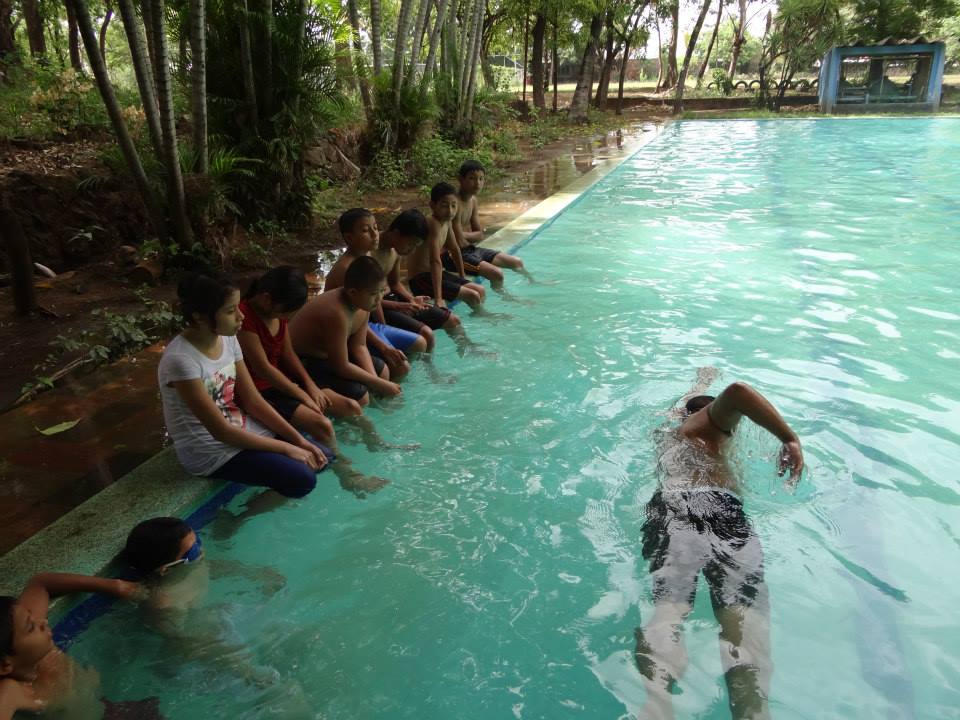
523,226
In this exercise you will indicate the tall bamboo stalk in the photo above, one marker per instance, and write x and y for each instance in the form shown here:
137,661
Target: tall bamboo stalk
399,46
375,40
423,12
474,60
198,77
443,10
246,70
168,126
143,71
360,68
129,150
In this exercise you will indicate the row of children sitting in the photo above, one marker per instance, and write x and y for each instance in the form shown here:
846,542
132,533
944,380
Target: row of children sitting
247,387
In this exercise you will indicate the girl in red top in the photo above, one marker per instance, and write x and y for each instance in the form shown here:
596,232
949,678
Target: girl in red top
280,376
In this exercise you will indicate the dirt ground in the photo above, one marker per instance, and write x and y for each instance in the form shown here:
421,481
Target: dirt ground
44,183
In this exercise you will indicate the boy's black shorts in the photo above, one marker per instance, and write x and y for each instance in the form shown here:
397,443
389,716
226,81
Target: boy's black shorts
285,405
450,285
472,257
323,375
431,316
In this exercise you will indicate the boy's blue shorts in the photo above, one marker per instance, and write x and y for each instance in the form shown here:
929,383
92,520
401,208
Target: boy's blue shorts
394,336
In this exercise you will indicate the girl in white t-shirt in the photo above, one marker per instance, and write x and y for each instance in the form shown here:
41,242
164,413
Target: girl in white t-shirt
220,424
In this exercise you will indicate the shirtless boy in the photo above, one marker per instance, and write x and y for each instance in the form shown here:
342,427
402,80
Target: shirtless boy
427,276
330,335
469,234
392,344
35,675
401,308
696,523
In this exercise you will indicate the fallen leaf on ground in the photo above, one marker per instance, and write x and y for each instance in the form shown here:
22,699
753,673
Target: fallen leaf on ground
59,428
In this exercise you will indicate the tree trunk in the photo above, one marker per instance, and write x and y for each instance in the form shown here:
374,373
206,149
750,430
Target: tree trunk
526,57
73,39
399,46
151,46
739,37
691,45
423,13
360,66
581,95
21,263
474,60
467,52
462,50
443,10
606,70
8,42
129,150
671,80
539,84
660,63
246,71
34,21
713,40
198,77
265,55
143,70
375,36
103,33
556,60
168,125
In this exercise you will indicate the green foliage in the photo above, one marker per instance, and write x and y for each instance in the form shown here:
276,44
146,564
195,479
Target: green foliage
387,170
395,125
723,81
117,335
434,159
874,20
43,101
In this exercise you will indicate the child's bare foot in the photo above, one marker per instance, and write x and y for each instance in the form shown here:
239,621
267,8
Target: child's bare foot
360,484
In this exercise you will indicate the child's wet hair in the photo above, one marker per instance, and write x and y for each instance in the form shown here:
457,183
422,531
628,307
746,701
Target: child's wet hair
286,286
440,191
6,625
155,542
470,166
351,217
203,295
695,404
364,273
410,223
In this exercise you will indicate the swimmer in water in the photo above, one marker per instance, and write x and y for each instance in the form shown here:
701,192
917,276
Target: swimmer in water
696,523
38,677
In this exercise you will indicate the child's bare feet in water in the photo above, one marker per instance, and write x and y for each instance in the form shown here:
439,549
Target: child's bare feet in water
360,484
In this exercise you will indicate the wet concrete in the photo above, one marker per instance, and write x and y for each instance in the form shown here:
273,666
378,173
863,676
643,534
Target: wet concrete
44,477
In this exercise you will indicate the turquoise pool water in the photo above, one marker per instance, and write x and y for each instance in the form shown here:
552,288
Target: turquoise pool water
500,575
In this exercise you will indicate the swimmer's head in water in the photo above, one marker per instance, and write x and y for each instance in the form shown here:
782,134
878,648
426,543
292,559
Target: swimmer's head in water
24,639
698,403
160,543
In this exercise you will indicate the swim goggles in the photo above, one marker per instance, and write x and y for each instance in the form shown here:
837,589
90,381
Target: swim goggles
192,555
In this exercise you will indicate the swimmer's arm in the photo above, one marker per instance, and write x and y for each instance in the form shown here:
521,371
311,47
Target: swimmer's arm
16,695
740,399
396,287
436,267
41,588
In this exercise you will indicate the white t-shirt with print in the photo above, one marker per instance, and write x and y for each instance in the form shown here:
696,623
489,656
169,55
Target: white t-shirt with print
198,451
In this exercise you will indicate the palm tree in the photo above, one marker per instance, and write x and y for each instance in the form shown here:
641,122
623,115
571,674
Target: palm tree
691,43
89,35
198,73
375,36
143,70
171,156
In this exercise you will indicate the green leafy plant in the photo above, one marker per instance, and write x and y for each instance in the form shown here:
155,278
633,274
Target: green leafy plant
723,81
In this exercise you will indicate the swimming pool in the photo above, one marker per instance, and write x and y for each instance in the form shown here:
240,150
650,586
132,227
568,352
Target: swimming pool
500,574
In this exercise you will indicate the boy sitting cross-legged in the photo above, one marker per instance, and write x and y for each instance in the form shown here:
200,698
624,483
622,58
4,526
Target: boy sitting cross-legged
427,276
469,234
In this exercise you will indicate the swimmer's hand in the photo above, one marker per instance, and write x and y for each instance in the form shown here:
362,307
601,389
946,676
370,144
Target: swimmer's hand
791,457
134,592
16,695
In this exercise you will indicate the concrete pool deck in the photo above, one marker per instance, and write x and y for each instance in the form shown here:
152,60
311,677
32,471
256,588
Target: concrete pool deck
88,538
